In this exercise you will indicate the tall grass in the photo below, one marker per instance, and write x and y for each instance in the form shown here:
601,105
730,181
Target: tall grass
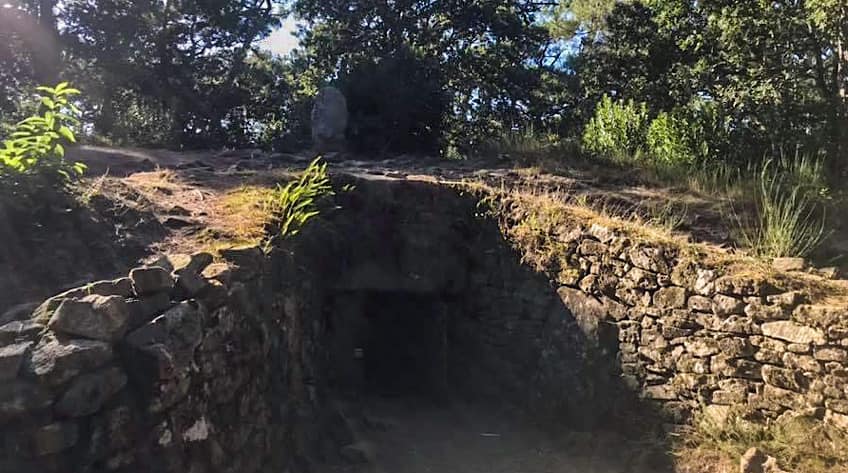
787,216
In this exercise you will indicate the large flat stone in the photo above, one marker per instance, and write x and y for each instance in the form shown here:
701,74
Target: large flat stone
96,317
55,362
792,332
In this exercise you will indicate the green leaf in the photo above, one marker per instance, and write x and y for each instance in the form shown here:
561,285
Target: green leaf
67,134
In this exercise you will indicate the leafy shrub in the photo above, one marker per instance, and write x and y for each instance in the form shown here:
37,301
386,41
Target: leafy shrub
617,130
295,203
36,146
669,142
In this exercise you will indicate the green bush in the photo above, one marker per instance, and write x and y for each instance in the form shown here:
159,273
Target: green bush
618,130
669,141
36,145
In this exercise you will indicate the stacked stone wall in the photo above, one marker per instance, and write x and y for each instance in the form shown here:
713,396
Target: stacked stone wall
687,336
181,366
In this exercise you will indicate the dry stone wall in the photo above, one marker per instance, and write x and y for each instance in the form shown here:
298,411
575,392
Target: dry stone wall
687,337
183,365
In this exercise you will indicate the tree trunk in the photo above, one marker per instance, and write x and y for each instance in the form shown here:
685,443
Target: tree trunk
47,52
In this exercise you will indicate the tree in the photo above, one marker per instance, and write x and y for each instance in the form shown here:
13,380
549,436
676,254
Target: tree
181,57
490,53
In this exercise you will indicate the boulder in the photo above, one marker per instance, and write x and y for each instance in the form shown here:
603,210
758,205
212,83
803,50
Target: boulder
701,347
329,120
587,310
726,305
89,392
96,317
784,378
247,261
161,355
171,338
145,309
55,362
190,283
151,280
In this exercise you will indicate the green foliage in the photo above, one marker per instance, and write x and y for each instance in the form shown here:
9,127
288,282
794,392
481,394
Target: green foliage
36,146
669,142
296,203
788,215
489,55
771,72
618,129
390,114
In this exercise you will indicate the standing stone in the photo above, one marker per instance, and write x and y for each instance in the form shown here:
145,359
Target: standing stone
329,119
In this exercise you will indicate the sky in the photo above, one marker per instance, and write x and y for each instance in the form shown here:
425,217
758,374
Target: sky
282,40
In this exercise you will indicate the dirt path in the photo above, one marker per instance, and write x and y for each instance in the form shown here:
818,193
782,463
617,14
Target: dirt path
405,436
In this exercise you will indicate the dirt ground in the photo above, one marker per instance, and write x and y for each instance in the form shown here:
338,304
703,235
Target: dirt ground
410,436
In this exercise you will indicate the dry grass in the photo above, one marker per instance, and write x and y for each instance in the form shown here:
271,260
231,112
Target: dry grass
800,444
241,218
165,181
535,218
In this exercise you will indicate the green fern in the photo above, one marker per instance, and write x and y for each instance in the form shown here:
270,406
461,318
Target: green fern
296,203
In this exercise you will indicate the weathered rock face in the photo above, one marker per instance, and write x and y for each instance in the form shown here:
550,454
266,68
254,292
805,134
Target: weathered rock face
329,120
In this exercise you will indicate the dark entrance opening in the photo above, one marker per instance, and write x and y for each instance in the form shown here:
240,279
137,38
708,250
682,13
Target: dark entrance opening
389,344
